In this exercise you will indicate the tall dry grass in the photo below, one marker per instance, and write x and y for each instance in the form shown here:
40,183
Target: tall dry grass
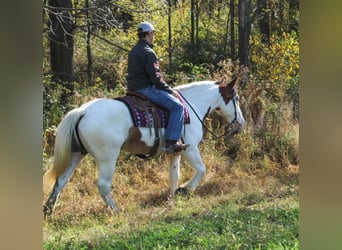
140,186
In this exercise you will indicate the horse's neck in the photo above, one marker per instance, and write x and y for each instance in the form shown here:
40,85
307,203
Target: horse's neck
201,97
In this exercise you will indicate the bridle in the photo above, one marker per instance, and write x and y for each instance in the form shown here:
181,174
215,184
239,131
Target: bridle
228,132
235,114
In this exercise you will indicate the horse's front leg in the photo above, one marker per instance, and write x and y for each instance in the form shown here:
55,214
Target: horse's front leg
194,158
174,165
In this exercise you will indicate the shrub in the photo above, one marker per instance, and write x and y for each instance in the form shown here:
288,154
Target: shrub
275,67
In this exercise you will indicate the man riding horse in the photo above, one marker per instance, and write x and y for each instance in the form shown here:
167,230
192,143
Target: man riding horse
144,77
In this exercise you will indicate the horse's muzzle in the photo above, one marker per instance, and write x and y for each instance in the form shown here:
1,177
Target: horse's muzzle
236,127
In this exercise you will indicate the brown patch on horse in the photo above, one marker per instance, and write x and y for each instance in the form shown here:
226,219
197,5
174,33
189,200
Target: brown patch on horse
227,91
134,144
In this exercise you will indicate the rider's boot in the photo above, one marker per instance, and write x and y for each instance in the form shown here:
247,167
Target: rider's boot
173,146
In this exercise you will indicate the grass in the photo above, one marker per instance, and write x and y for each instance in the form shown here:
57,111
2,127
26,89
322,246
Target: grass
226,226
231,209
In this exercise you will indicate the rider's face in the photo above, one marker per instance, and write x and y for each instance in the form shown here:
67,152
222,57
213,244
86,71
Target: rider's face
150,37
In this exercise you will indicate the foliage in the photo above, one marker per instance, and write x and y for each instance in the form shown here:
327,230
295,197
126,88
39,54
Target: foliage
276,65
52,110
270,102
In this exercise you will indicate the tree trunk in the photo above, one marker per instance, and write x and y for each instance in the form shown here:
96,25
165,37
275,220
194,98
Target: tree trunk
225,41
293,10
232,29
170,33
90,59
244,31
263,20
281,12
197,20
61,46
192,33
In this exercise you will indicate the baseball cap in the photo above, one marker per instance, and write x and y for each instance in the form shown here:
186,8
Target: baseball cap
145,27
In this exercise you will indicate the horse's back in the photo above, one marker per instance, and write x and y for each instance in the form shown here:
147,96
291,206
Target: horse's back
107,114
105,121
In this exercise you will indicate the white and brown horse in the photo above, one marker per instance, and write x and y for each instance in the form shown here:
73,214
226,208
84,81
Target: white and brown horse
103,127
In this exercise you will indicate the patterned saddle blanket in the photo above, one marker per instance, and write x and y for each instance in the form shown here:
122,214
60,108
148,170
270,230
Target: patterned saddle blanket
148,114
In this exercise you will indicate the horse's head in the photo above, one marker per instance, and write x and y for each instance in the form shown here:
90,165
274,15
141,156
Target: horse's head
229,105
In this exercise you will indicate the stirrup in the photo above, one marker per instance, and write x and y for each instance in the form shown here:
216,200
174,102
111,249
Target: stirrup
176,148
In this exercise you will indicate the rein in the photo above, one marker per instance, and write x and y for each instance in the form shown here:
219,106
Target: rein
203,124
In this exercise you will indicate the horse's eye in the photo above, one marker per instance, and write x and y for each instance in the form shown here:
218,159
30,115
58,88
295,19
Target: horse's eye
237,98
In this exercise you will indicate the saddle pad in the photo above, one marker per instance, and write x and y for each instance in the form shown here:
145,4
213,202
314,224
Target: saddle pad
142,114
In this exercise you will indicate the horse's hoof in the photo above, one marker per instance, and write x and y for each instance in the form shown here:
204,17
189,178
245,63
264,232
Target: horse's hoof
112,210
183,191
47,211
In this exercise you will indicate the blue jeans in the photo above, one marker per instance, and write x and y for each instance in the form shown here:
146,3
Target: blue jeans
168,101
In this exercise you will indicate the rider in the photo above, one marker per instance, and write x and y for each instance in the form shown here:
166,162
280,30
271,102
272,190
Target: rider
143,76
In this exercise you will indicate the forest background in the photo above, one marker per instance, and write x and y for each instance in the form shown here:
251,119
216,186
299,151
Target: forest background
86,50
85,57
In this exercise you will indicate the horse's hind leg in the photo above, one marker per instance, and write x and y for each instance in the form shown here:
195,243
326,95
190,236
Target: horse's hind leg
60,183
107,168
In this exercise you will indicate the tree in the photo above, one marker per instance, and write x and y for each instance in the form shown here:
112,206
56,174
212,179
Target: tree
244,30
192,33
61,45
293,15
232,28
90,59
263,20
170,32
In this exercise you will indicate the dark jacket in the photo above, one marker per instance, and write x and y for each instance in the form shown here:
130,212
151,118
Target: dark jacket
143,68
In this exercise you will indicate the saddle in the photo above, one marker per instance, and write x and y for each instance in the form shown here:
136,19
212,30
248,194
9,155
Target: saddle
148,114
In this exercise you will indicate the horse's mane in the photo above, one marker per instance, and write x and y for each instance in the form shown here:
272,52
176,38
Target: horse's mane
195,85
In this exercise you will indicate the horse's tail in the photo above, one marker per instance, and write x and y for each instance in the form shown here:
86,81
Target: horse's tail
62,150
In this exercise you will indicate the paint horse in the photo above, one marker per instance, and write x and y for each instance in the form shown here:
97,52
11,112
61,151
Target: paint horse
103,127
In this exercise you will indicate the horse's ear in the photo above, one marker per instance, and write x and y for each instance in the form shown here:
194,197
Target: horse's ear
232,83
222,81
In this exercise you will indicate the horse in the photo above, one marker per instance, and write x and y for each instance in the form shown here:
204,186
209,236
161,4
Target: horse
103,127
